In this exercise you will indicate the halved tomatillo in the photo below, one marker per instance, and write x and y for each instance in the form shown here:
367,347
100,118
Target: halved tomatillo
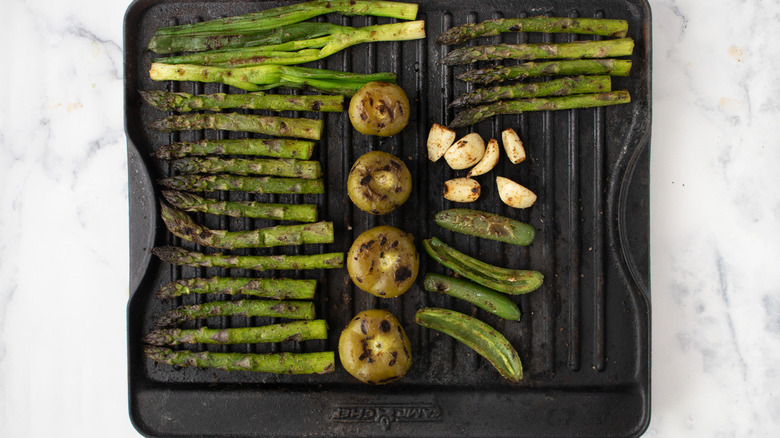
383,261
379,182
374,348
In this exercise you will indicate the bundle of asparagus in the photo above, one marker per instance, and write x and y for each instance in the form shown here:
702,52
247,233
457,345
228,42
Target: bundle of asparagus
573,60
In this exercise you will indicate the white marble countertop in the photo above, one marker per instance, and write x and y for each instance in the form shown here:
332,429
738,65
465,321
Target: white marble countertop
714,205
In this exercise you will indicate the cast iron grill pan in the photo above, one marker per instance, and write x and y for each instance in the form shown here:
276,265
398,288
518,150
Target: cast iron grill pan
584,336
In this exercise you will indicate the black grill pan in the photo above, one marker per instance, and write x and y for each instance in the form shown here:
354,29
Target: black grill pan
585,335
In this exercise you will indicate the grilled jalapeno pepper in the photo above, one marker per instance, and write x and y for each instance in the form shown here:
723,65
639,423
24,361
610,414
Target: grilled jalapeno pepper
374,347
480,296
383,261
510,281
476,335
485,225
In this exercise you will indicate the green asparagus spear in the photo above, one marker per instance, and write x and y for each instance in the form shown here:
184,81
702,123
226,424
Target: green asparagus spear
266,77
305,50
166,44
186,102
245,308
289,167
180,256
480,296
287,212
586,26
555,87
576,49
181,224
279,126
277,288
485,225
267,147
288,14
280,363
499,73
254,184
288,331
476,335
510,281
479,113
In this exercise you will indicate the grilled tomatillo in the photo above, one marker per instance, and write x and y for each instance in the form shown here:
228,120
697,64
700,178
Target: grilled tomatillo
379,182
379,108
383,261
374,348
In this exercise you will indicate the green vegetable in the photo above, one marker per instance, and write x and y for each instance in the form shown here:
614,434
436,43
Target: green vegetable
267,147
254,184
281,363
479,113
288,167
185,102
181,224
288,331
556,87
573,50
310,129
168,39
304,50
267,77
180,256
485,225
287,212
500,73
167,44
245,308
510,281
587,26
480,296
277,288
476,335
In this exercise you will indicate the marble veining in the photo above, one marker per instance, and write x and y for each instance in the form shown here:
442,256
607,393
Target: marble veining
715,213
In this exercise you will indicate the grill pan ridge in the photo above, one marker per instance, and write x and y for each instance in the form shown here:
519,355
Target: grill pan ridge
585,334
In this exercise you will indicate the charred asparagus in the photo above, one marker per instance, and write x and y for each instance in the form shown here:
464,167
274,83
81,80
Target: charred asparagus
181,256
288,331
574,50
254,184
289,167
282,363
277,288
479,113
555,87
266,147
181,224
245,308
288,212
586,26
270,125
186,102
